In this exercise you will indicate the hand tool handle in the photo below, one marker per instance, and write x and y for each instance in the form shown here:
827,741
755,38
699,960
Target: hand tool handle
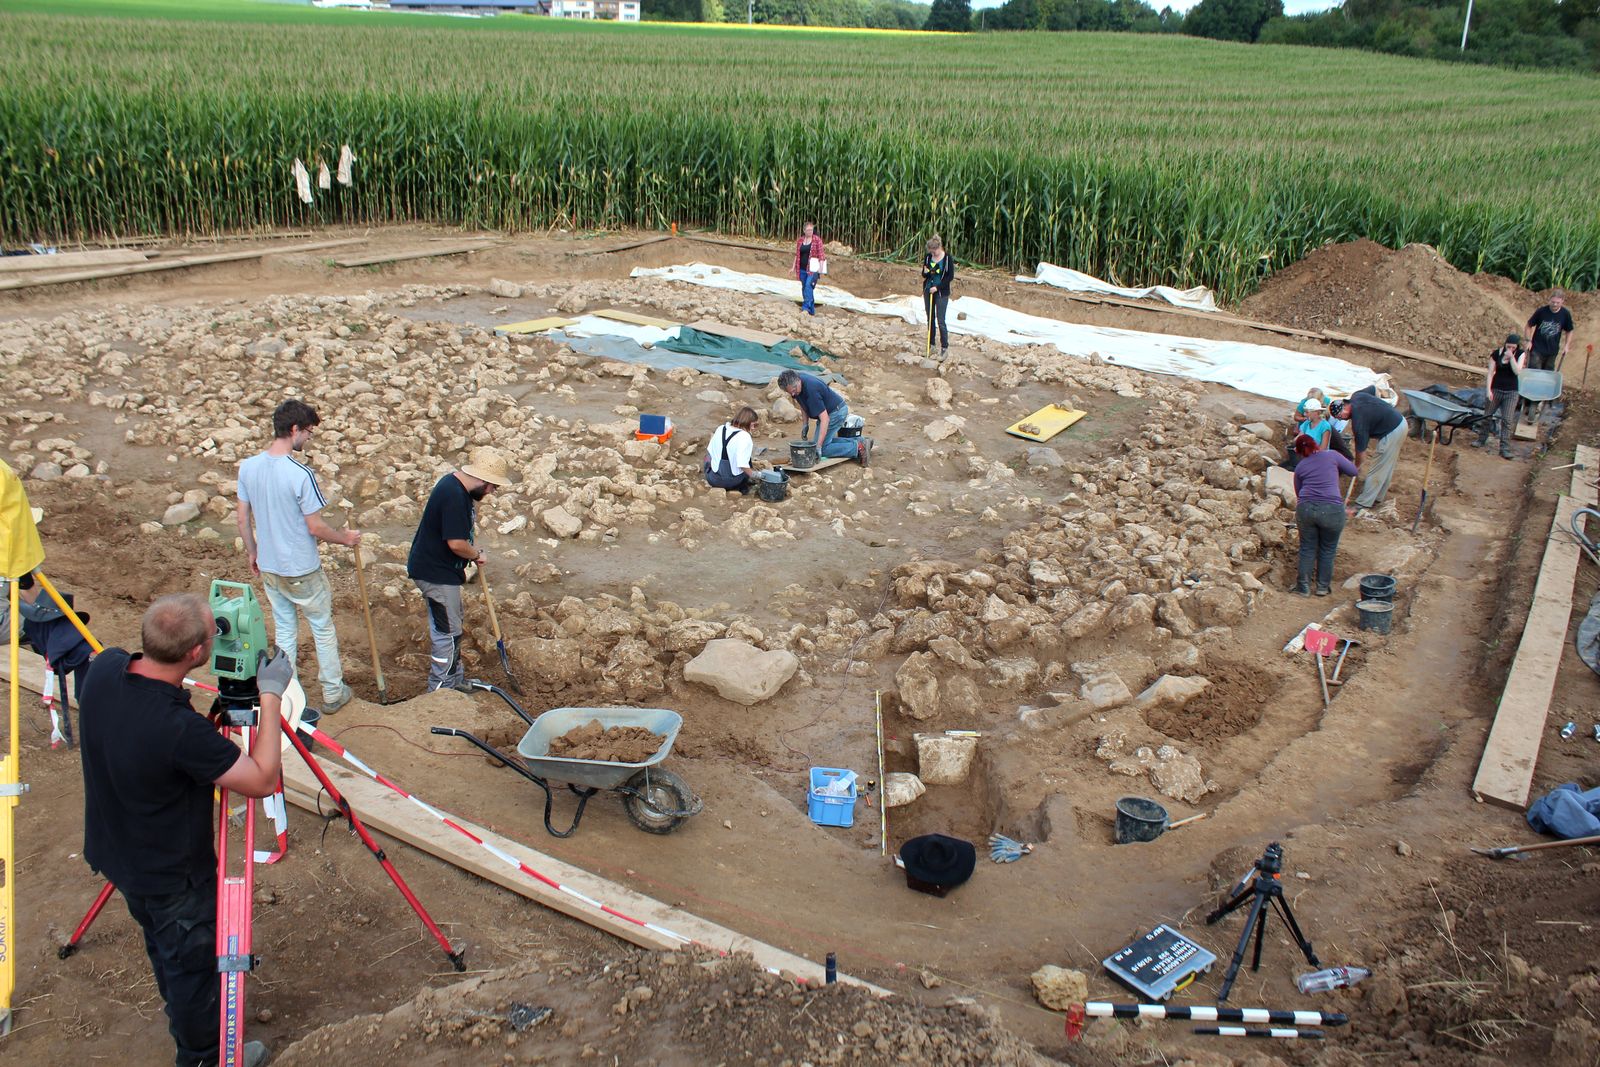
488,601
366,612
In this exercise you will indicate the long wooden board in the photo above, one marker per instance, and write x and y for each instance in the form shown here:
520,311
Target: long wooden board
553,322
1403,353
67,260
173,264
1505,773
624,248
414,253
633,318
384,810
743,333
819,465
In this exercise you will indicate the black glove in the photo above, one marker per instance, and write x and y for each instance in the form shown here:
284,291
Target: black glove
273,675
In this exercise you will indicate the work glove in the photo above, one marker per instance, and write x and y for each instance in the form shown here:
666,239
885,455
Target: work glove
273,675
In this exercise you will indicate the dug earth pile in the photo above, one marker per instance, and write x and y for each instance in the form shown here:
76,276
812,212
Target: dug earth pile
616,744
1107,611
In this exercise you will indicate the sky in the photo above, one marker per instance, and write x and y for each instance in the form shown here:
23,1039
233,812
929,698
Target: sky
1290,7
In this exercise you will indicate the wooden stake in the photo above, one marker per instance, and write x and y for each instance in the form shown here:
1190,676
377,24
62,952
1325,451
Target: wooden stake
372,637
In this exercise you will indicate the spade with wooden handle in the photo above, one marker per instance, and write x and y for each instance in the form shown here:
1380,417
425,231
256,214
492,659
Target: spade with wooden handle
1427,473
499,640
1512,850
372,637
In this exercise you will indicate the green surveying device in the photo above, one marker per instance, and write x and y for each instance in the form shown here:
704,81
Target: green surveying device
241,631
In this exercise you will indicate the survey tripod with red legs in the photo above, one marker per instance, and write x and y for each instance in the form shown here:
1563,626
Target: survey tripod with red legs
236,713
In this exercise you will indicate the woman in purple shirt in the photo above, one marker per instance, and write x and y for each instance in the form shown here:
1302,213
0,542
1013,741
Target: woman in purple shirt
1320,513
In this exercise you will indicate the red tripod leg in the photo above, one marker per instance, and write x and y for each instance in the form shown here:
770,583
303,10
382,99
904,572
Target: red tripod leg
457,959
234,958
88,920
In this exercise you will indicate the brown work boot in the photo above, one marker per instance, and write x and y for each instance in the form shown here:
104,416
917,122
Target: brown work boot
864,451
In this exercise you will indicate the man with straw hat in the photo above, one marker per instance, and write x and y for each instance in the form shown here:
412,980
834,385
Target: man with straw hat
440,552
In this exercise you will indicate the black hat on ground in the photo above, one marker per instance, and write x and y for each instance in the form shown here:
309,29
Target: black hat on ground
939,860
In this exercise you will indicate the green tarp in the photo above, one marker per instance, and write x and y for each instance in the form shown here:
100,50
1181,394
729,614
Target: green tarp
694,342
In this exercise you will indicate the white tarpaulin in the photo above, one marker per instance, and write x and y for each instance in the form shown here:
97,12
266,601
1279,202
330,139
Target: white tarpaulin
1197,299
1280,373
595,326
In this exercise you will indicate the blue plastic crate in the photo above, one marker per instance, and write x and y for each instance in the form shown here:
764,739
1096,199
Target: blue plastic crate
830,811
653,424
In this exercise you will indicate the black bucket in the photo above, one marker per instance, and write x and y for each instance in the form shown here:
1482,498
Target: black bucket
1375,615
802,454
310,718
1378,587
772,486
1139,819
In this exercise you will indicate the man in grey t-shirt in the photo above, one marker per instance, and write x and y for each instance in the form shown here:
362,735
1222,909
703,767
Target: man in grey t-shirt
280,493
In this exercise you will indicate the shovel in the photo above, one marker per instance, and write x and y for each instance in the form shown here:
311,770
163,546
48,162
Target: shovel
1512,850
372,637
1426,474
499,641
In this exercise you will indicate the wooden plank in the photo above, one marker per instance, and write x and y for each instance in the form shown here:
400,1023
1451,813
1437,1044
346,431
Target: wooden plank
30,668
738,244
819,465
67,260
415,253
553,322
173,264
1403,353
623,248
384,810
1505,773
635,319
742,333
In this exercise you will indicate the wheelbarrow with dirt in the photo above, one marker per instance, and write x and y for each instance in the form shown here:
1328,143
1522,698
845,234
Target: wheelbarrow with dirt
1444,412
656,800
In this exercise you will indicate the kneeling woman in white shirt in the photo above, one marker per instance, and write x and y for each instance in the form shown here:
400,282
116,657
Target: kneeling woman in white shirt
727,460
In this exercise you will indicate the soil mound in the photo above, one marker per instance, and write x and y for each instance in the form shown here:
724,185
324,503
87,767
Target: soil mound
1412,298
619,744
674,1010
1238,698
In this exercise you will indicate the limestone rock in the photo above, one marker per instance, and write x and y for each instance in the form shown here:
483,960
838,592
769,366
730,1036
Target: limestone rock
558,660
944,428
1086,620
1042,458
940,392
901,788
918,685
502,288
1261,430
1178,775
1105,690
178,514
1058,988
1171,691
561,522
944,760
1217,605
513,524
783,410
46,472
739,671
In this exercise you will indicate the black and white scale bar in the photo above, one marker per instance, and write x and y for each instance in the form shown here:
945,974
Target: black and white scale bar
1105,1010
1254,1031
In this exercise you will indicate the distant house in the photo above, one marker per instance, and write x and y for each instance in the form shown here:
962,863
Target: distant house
484,7
619,10
572,9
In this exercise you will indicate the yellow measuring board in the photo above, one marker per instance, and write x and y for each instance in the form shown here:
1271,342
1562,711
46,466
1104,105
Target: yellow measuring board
1045,423
554,322
637,320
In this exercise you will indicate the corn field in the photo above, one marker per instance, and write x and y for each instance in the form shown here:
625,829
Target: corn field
1142,159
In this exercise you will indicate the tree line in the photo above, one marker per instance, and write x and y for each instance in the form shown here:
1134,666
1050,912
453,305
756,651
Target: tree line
1552,34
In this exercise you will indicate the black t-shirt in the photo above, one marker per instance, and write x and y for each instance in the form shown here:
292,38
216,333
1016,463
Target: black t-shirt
1505,371
448,516
149,762
1547,326
1371,417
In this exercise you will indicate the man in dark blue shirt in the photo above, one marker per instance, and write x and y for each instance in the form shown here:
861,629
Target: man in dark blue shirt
440,552
828,409
1373,421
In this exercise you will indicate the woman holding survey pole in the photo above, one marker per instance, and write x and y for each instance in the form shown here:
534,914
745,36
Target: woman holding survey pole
938,271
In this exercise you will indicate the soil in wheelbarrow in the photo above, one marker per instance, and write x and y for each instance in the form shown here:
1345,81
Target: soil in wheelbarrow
619,744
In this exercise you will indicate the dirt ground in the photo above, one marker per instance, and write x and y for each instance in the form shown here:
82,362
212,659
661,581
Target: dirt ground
974,582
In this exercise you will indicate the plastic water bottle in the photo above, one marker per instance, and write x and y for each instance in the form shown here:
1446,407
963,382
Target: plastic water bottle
1330,978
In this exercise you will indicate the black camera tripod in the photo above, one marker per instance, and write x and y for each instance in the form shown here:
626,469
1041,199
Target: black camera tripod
1264,885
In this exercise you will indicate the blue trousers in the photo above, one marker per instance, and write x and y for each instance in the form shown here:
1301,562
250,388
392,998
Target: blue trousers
1320,526
808,291
833,446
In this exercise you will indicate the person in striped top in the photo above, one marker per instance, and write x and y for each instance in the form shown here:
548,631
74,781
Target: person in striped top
280,520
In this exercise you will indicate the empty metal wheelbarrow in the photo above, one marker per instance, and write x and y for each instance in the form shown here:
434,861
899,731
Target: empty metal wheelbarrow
656,800
1447,413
